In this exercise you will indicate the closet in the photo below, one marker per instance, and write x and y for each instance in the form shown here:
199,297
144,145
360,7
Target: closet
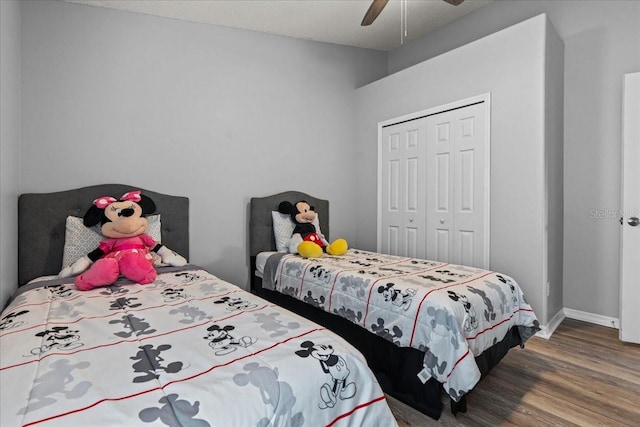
522,68
434,198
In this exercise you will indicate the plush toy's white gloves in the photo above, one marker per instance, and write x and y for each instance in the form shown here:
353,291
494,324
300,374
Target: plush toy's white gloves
169,257
76,268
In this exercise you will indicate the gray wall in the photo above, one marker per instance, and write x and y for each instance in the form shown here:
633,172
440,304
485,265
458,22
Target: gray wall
510,65
602,43
9,144
213,113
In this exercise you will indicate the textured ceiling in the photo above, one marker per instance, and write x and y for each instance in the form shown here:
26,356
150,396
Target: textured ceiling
331,21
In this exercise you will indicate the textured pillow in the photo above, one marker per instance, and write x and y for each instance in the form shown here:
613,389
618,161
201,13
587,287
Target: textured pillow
80,240
283,228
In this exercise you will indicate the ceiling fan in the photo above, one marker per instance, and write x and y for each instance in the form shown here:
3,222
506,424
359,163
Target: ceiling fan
377,5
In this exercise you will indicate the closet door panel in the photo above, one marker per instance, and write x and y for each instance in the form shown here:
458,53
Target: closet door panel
403,214
433,201
457,173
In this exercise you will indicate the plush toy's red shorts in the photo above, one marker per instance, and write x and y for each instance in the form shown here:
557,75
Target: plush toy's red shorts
313,237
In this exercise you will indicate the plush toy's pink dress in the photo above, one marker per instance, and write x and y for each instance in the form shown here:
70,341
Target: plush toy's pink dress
127,256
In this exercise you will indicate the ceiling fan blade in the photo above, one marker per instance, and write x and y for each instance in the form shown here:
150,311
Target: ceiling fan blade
454,2
373,12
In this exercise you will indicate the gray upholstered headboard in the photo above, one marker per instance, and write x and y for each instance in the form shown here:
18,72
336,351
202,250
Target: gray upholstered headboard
261,236
42,218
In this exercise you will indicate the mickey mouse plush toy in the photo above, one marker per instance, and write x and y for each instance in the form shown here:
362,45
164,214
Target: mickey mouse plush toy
126,249
306,240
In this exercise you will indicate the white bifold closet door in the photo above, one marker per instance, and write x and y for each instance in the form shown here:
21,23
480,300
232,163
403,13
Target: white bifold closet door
403,220
456,211
435,187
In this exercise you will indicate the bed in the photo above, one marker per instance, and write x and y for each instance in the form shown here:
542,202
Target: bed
188,349
429,330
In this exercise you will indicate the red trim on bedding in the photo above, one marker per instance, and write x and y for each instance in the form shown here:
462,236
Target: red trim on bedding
113,399
415,321
335,280
468,352
361,406
137,338
499,323
304,273
364,320
245,356
119,312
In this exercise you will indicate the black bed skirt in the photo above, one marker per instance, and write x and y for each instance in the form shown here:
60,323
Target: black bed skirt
396,368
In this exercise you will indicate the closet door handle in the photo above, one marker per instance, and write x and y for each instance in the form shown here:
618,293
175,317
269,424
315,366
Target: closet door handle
634,221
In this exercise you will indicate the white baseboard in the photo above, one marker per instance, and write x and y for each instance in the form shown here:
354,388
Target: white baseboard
547,330
597,319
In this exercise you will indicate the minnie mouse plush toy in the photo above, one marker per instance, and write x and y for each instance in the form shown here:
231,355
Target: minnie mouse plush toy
306,239
126,249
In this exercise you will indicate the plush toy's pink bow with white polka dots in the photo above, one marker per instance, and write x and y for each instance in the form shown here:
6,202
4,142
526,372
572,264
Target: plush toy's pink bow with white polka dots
104,201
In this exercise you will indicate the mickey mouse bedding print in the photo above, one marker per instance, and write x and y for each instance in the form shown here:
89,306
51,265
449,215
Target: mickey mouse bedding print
452,313
187,350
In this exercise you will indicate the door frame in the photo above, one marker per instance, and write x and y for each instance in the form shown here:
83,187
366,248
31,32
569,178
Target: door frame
483,98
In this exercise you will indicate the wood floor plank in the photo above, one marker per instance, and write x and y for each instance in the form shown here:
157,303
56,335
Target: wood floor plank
582,376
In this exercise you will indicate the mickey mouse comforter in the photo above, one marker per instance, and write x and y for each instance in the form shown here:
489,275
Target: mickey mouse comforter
451,312
186,350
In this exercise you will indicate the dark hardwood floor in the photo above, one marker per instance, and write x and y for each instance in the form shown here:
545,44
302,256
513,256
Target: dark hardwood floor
582,376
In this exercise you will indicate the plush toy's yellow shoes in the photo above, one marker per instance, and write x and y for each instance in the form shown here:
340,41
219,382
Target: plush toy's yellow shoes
309,250
338,247
312,250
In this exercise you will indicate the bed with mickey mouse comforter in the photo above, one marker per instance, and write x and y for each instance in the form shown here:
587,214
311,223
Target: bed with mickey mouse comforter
186,350
452,313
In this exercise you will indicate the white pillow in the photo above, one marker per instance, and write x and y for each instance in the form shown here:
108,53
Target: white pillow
283,229
80,240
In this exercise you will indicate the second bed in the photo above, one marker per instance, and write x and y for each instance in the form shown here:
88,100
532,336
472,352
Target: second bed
427,328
